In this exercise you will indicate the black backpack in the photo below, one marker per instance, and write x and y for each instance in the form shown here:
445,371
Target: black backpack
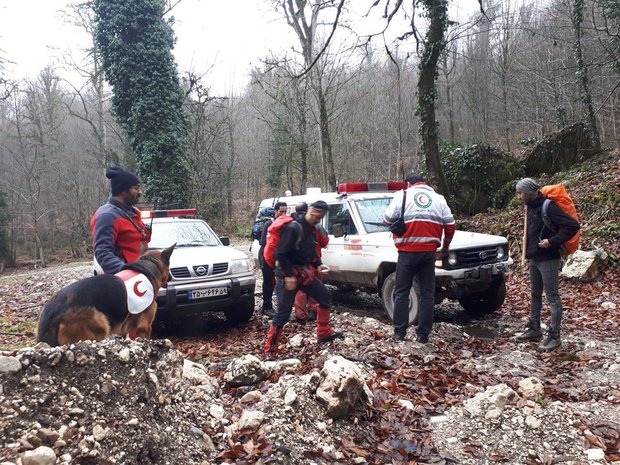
264,215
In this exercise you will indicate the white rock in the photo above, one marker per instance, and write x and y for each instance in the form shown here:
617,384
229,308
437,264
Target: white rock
584,265
342,385
608,305
493,397
595,454
290,365
250,421
123,355
133,422
216,411
9,364
99,433
493,414
246,371
407,404
531,388
290,396
437,419
296,341
251,396
40,456
532,422
197,374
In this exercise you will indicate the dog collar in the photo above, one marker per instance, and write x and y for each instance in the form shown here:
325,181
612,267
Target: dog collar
140,292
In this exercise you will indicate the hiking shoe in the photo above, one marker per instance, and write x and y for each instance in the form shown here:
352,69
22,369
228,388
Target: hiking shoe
331,337
421,339
532,333
551,342
270,312
396,337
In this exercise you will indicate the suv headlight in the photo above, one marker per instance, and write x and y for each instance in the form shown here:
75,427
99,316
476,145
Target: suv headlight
501,253
452,258
243,265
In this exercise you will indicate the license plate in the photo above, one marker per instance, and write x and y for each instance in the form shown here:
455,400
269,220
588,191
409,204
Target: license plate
202,293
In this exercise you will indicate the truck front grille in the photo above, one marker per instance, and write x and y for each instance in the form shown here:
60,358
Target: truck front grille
180,272
477,256
219,268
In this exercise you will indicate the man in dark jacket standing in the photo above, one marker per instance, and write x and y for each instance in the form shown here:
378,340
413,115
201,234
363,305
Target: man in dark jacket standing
119,235
268,276
296,262
542,249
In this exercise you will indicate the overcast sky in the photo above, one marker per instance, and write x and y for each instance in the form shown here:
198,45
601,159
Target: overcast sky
226,36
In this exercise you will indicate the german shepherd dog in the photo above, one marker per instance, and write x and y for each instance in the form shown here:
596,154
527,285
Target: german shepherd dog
97,307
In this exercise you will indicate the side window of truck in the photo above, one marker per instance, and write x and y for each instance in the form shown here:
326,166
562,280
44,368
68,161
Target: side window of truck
340,214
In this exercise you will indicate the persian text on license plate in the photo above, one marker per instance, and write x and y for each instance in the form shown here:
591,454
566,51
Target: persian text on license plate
202,293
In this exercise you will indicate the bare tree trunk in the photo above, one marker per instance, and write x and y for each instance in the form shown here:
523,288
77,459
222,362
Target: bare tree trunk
329,174
449,100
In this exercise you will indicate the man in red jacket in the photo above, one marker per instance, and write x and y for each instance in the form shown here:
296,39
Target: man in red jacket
427,218
305,308
119,235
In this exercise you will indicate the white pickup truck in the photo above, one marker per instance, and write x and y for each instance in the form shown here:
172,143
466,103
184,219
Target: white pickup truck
361,253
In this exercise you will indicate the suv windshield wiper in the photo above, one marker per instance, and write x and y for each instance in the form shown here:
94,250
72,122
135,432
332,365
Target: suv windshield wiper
192,243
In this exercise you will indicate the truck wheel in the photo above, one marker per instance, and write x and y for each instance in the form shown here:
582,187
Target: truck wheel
488,301
240,314
387,295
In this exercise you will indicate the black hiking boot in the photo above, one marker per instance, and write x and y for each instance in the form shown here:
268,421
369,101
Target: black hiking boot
532,333
268,312
551,342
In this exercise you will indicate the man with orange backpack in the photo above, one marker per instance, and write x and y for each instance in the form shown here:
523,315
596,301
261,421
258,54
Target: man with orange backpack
296,260
548,229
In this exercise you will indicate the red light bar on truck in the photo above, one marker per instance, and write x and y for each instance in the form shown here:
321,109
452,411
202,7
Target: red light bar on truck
371,187
146,214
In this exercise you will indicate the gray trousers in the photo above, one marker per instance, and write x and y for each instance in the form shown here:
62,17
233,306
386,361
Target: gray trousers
544,274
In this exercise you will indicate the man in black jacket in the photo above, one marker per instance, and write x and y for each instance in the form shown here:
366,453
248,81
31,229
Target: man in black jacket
542,248
268,277
296,261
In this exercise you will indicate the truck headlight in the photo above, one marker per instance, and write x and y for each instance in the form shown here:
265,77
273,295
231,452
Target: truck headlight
240,266
501,253
452,258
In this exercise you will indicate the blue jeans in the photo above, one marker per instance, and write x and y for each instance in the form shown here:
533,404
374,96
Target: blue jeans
544,275
410,266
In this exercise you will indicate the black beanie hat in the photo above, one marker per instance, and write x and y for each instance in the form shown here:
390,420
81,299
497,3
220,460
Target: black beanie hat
120,179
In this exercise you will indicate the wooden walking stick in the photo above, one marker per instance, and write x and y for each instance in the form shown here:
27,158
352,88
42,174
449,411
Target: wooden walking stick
524,239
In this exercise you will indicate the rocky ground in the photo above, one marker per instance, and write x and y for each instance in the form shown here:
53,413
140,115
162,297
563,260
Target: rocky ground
459,399
473,395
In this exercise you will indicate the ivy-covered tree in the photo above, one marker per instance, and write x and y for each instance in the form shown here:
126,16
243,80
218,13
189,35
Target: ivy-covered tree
135,42
434,46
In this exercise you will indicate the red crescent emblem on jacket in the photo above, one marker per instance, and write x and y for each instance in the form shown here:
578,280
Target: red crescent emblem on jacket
136,291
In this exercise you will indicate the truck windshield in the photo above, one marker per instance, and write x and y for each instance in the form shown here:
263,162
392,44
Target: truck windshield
186,233
371,212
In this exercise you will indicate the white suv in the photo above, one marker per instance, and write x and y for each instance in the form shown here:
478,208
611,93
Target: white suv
361,253
205,274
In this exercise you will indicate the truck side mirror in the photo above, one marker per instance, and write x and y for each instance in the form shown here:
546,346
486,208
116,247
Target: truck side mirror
225,240
338,230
